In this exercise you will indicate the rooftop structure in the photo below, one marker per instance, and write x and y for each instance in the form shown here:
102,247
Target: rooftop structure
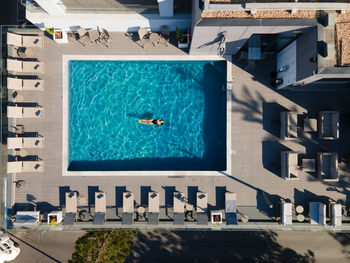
287,143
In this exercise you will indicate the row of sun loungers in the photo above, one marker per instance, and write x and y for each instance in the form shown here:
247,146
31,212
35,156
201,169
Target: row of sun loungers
327,125
317,211
29,83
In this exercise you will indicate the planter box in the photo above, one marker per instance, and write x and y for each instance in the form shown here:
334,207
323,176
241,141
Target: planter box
183,45
60,36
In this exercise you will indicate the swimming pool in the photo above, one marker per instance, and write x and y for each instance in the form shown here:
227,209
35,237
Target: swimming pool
108,97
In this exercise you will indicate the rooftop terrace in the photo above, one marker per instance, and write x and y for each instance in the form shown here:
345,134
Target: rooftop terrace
256,147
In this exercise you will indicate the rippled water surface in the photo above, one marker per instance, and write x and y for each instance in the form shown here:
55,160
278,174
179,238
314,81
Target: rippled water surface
107,98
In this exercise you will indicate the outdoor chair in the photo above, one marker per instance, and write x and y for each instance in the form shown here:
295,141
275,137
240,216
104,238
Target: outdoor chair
27,218
24,142
165,36
25,84
286,213
327,169
328,125
25,166
128,208
231,208
289,165
94,35
289,125
84,37
317,213
105,37
179,208
71,208
100,208
144,37
24,40
25,112
25,66
153,208
202,208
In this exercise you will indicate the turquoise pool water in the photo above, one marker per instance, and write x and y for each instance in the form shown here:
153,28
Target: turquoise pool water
107,98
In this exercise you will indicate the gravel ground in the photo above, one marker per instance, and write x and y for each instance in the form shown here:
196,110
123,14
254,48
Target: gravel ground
343,44
274,14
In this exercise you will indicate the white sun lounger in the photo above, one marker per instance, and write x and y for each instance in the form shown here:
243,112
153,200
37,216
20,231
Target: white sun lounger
336,213
25,112
286,213
100,208
25,84
153,208
25,166
27,218
231,208
24,40
128,208
179,208
25,66
25,142
202,208
71,208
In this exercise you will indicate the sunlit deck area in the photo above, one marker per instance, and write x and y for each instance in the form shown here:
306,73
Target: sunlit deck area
256,148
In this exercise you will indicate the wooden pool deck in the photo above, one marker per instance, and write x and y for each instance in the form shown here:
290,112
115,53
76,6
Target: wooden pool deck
255,146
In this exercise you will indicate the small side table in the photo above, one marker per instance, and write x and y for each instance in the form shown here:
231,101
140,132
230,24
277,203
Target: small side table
188,207
309,165
299,209
300,218
310,125
244,219
141,210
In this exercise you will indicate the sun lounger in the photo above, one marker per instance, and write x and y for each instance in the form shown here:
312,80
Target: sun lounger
289,125
128,208
179,208
24,40
25,142
25,112
84,38
328,125
286,213
27,218
153,208
25,84
25,167
25,66
100,208
71,208
317,213
231,208
327,169
336,214
289,165
202,208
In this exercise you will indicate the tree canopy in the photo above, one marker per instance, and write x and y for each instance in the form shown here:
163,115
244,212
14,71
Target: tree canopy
103,246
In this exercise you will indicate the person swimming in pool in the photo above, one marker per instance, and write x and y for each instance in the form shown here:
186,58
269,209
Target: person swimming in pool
158,122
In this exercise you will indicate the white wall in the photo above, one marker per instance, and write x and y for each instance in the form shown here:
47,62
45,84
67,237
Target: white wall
111,22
